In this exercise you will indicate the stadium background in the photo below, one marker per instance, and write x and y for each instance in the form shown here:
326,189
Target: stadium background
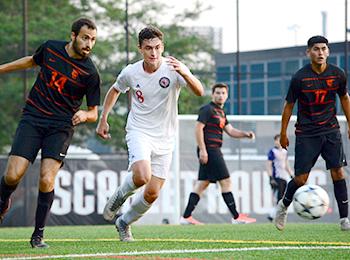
86,180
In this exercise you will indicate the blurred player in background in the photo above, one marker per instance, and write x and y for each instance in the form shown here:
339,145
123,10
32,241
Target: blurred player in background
315,87
51,111
279,171
155,83
210,125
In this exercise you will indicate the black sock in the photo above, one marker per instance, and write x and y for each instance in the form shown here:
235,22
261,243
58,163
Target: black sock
341,195
6,190
288,195
192,203
230,202
45,200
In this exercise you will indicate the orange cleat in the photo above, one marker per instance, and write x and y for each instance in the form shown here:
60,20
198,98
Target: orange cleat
243,219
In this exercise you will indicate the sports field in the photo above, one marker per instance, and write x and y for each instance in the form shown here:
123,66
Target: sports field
252,241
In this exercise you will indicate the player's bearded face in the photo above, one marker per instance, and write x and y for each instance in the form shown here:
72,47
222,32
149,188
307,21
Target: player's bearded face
84,41
152,50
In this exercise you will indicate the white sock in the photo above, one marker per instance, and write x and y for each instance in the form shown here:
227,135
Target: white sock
137,209
128,186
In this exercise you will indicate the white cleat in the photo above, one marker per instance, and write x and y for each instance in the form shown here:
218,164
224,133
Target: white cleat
344,224
124,230
281,216
113,205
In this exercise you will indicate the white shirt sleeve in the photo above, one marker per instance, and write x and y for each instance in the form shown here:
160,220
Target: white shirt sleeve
122,82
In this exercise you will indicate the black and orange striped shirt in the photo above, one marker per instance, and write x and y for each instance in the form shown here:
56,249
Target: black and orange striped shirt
61,84
214,118
316,96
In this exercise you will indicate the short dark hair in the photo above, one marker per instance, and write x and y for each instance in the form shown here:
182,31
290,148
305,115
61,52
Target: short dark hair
150,32
219,85
276,137
77,24
316,39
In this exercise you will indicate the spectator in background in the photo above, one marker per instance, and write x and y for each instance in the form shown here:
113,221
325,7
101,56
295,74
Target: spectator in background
279,171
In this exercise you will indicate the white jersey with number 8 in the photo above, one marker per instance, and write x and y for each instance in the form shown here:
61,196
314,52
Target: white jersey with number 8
154,99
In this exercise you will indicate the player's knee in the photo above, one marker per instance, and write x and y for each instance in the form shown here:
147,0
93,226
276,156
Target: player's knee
46,184
141,179
151,195
337,174
300,180
12,178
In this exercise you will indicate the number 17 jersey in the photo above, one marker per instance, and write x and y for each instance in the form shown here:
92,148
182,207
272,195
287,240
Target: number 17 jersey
316,97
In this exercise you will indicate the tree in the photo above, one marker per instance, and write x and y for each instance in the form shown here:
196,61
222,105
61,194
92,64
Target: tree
52,20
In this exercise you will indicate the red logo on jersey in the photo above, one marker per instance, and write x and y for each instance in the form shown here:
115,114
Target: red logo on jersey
329,82
75,74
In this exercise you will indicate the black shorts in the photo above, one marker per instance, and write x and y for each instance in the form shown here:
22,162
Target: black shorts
280,189
308,149
215,170
32,136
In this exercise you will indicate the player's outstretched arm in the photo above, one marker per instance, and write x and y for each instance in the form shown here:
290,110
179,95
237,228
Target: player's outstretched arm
236,133
20,64
111,98
345,103
194,84
286,114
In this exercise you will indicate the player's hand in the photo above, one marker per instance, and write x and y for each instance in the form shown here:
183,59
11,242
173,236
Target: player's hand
251,135
175,64
102,130
273,183
79,117
284,141
203,157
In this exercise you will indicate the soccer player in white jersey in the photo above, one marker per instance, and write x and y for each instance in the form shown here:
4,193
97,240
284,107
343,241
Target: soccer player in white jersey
155,84
279,171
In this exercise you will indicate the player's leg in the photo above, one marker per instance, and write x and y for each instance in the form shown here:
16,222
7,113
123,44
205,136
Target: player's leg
226,188
48,172
144,199
200,187
141,203
24,150
226,192
307,150
334,155
140,175
15,170
140,166
55,144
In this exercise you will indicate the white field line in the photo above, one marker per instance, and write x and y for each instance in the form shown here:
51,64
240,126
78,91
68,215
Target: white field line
181,251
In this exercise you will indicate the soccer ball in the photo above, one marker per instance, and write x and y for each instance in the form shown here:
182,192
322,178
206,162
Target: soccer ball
311,201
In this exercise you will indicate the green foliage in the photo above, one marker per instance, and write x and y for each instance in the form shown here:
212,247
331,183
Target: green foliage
52,20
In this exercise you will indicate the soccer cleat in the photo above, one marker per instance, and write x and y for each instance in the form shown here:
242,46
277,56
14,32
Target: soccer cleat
344,224
124,230
281,216
113,205
37,242
4,208
190,221
243,219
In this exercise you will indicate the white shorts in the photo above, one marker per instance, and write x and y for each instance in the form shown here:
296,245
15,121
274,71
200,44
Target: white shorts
143,147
